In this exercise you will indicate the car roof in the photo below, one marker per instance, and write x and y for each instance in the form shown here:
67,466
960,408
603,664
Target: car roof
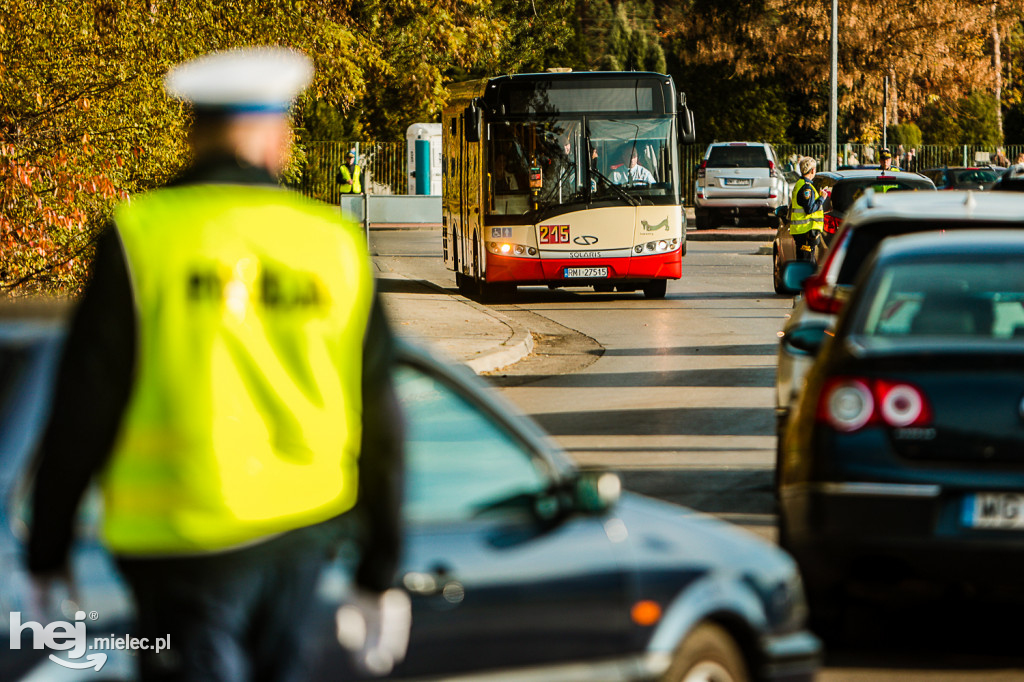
738,144
946,206
941,244
854,173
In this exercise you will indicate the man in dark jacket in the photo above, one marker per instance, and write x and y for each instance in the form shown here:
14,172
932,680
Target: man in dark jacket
228,373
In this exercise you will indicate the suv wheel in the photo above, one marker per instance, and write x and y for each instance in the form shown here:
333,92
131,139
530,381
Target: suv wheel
703,221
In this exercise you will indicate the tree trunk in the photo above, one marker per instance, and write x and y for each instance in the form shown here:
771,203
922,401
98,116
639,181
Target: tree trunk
997,66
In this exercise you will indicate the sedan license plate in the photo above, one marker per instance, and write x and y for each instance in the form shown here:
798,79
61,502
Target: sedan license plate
737,182
1000,511
585,272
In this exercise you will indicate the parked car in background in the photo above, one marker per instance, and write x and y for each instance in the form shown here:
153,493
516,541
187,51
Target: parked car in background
739,180
902,464
975,177
519,565
845,187
872,219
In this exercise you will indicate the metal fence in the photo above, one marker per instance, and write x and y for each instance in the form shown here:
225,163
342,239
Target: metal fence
385,163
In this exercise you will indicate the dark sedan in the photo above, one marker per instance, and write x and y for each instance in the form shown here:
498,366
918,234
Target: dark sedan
845,188
976,177
518,564
902,463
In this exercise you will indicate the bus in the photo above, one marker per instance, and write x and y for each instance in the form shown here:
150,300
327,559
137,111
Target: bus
567,179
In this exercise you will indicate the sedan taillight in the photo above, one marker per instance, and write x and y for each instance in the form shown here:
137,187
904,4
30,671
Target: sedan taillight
851,403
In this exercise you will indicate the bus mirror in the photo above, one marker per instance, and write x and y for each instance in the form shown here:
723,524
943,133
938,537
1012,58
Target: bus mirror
686,127
472,123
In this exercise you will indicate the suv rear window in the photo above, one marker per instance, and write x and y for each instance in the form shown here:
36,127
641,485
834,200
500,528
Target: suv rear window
865,238
737,157
846,191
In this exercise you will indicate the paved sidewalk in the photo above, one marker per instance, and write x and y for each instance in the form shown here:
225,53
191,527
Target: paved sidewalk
456,327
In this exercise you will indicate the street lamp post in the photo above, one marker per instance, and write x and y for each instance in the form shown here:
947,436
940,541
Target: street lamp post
832,103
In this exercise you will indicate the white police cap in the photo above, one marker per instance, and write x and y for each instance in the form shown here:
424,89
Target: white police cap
243,80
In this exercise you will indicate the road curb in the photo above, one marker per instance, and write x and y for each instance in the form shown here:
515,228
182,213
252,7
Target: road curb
512,350
516,347
729,236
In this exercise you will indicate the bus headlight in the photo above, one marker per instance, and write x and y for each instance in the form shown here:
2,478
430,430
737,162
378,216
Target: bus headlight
505,249
656,246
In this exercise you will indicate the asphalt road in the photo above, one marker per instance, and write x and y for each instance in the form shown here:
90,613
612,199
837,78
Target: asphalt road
676,395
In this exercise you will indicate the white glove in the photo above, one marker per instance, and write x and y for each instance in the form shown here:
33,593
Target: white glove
374,628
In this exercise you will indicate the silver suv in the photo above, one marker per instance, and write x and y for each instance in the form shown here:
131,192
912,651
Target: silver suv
739,180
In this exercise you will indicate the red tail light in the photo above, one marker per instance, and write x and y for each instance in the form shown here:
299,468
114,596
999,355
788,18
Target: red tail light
771,167
848,404
820,295
703,167
831,223
819,291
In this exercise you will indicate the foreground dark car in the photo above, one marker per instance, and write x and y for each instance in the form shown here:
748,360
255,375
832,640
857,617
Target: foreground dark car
845,188
902,463
517,562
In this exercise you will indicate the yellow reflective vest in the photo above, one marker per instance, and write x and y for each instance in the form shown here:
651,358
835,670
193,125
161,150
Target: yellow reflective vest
799,220
244,421
349,180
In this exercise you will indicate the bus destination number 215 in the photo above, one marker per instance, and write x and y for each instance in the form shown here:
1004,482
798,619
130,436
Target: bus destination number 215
554,234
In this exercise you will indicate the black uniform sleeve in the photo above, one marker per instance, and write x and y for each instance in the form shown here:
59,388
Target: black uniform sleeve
93,384
381,462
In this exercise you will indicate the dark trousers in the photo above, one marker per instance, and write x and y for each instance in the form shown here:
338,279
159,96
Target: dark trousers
805,244
232,617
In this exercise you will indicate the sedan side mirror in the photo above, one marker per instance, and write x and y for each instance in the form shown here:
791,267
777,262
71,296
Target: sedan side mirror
806,340
794,274
596,491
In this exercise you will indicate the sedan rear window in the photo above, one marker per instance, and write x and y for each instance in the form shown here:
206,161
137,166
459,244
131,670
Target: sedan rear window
978,299
737,157
847,191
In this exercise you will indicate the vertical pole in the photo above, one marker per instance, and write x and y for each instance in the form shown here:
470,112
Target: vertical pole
885,111
833,96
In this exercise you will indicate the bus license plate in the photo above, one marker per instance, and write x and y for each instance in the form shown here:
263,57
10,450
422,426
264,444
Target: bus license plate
586,272
1000,511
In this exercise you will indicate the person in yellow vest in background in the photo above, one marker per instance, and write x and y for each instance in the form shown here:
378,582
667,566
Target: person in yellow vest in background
885,158
349,177
806,215
226,376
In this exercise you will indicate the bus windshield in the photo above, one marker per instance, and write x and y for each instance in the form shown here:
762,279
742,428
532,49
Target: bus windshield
544,165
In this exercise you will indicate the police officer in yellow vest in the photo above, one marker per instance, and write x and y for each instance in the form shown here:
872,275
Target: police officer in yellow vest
349,176
226,376
806,216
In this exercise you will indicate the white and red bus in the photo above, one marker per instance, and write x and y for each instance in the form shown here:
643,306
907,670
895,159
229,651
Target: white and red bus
564,179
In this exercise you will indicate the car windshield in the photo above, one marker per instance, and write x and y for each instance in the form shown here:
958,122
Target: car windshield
976,299
538,166
739,156
848,190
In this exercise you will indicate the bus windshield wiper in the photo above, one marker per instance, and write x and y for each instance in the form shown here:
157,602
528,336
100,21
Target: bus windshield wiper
622,194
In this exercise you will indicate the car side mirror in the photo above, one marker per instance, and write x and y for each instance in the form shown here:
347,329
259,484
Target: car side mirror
807,340
596,490
794,274
687,132
472,122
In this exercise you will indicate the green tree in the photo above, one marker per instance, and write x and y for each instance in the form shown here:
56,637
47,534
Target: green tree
939,125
